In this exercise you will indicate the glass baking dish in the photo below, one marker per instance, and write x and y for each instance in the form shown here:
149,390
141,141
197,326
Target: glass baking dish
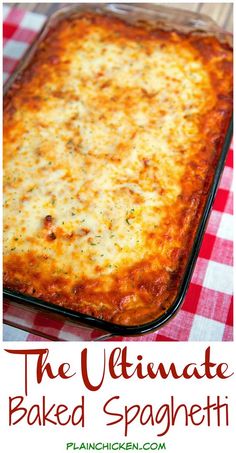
20,310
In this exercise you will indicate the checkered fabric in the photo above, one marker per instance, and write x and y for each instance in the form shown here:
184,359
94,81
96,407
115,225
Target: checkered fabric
207,311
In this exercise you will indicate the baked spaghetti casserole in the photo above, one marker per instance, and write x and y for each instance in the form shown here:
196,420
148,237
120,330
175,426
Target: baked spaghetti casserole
111,137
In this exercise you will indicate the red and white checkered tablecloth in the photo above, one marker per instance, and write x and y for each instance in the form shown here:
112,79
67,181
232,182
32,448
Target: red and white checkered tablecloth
207,311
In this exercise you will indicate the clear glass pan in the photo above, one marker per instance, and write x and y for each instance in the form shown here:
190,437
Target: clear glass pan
20,310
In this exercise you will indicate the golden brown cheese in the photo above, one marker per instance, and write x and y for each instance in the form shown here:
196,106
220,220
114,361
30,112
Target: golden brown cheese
111,137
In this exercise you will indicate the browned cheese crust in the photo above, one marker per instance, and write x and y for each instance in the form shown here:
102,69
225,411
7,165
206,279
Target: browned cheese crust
111,138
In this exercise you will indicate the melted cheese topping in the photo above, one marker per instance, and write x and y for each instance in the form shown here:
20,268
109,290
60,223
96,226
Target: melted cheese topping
102,136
